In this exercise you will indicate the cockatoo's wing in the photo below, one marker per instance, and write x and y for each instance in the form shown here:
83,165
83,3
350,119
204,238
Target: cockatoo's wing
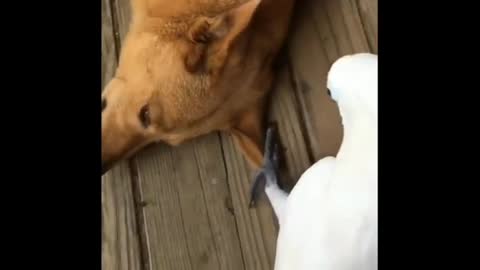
299,224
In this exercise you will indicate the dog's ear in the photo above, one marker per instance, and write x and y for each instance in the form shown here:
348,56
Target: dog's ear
212,37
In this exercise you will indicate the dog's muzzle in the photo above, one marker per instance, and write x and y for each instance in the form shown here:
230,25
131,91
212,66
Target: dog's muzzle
106,166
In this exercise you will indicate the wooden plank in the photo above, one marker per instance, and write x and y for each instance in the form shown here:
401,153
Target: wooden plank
122,16
345,24
323,32
196,223
310,64
165,233
187,216
109,60
120,243
368,10
209,156
256,227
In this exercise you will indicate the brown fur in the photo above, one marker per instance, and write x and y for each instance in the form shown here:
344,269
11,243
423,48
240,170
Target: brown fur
199,66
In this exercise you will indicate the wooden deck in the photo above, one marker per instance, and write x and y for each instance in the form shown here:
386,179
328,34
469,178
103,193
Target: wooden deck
187,207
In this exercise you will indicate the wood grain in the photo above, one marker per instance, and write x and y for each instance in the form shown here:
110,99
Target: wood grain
209,156
187,215
256,227
109,61
122,11
368,10
120,245
166,237
324,31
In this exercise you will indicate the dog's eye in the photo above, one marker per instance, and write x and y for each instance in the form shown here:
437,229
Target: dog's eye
104,104
329,93
144,116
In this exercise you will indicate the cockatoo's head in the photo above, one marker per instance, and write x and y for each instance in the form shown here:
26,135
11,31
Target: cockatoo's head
352,82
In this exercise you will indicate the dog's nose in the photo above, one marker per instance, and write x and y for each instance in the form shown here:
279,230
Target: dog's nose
105,167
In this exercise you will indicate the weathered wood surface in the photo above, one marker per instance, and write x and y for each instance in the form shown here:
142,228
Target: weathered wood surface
120,237
109,60
186,207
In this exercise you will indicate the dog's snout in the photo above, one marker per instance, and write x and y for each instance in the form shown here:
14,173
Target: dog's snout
105,167
104,104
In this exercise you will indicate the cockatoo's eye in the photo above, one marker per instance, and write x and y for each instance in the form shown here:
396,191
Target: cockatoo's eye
329,93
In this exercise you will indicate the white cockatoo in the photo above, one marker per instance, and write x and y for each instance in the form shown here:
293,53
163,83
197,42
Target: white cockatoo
329,219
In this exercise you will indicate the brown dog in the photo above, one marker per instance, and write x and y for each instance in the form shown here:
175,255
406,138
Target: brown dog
188,68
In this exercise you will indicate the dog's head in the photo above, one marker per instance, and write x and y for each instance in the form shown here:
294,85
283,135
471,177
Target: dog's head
171,74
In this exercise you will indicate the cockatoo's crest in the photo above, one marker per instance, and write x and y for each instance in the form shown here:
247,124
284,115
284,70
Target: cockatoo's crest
352,81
